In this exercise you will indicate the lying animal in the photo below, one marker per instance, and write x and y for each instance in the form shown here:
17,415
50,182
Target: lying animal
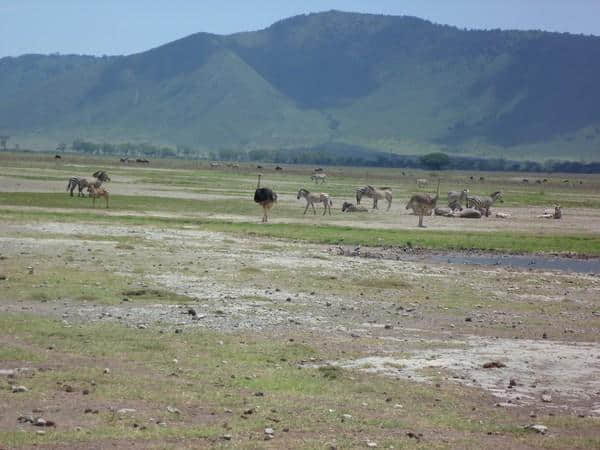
350,207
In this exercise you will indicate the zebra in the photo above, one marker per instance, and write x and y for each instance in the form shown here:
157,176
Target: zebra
313,197
456,199
483,203
81,183
376,194
319,177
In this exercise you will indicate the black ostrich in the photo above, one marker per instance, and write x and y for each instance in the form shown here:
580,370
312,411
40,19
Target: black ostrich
265,197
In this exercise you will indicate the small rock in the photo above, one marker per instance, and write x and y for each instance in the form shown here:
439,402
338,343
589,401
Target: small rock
126,411
546,398
173,410
141,326
494,365
259,394
371,444
468,319
16,389
544,336
192,312
227,437
346,416
39,422
269,431
539,428
68,388
106,370
512,382
40,432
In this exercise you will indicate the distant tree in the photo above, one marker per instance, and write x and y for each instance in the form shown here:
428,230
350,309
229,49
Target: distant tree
4,141
435,161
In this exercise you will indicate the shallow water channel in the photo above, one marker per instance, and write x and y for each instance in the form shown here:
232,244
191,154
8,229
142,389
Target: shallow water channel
534,262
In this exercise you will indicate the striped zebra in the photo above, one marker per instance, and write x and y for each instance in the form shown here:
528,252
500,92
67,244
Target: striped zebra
483,203
81,183
456,199
316,177
376,194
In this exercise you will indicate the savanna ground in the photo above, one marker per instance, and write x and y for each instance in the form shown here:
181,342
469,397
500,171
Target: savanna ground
174,319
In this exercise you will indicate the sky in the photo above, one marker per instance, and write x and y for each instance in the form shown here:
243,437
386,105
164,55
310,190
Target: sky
118,27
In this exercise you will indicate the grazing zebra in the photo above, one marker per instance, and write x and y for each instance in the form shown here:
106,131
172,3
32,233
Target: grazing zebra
81,183
456,199
313,197
483,203
376,194
319,177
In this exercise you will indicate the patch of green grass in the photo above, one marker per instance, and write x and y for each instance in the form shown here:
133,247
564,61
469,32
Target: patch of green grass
516,242
12,353
52,283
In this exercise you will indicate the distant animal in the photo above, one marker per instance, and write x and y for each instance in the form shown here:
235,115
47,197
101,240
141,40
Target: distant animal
403,174
423,204
142,161
421,182
456,199
545,180
96,192
350,207
484,203
265,197
318,169
376,194
552,214
525,180
214,165
481,179
314,197
319,177
471,178
57,157
278,168
538,181
259,167
124,160
443,211
468,213
82,183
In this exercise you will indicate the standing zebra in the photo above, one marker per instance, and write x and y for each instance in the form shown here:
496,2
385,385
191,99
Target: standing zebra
313,197
456,199
376,194
484,203
81,183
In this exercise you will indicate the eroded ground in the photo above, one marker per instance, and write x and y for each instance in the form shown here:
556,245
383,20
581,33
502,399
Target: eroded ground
142,336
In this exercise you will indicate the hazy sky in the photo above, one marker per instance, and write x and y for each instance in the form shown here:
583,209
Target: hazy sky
127,26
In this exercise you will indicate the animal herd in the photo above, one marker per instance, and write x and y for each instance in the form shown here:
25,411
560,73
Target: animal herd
421,204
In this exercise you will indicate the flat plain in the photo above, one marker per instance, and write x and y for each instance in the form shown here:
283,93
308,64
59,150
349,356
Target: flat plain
175,319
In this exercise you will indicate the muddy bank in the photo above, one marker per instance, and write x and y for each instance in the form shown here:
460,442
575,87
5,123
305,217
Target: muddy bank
565,263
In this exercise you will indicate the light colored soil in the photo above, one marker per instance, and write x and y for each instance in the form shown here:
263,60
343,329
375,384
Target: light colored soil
200,265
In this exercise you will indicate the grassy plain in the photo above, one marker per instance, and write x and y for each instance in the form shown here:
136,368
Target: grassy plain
215,327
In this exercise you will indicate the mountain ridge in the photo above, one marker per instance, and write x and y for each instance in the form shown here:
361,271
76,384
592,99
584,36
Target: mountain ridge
393,83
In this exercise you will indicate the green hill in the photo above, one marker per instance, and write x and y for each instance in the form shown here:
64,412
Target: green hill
398,84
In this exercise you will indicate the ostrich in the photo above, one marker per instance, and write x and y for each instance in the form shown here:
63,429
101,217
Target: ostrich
265,197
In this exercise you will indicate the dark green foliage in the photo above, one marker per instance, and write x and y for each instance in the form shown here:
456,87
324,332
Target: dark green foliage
435,161
394,84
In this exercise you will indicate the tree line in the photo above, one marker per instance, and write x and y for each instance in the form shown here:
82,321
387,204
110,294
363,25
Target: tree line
338,154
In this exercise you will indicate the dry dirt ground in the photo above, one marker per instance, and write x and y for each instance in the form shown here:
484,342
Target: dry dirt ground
418,322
